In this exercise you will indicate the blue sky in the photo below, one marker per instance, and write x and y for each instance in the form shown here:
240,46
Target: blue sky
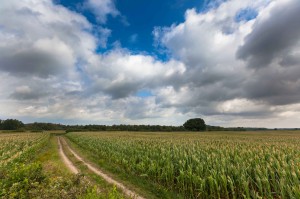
230,62
134,26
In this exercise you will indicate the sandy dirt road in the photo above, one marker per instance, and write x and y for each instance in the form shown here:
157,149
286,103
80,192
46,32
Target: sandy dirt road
97,171
66,160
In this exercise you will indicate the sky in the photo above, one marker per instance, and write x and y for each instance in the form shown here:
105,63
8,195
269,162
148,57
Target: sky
232,63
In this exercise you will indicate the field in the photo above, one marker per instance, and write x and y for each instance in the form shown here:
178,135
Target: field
30,167
153,165
16,147
200,165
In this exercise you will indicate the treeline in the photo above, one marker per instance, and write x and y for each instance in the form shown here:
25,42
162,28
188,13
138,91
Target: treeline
13,124
38,126
50,126
219,128
124,127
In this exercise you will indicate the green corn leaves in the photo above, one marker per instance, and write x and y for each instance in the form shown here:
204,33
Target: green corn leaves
207,165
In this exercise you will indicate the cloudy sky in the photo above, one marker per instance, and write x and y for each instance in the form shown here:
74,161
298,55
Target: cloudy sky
232,63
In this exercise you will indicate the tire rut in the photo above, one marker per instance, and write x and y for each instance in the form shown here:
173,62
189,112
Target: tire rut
66,160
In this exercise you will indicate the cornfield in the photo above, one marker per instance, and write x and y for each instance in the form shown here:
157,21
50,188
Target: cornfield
204,165
16,147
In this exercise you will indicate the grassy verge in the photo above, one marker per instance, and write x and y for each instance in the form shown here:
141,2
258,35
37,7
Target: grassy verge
50,159
42,174
56,180
138,184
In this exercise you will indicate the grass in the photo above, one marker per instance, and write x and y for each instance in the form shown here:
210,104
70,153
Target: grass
50,159
59,182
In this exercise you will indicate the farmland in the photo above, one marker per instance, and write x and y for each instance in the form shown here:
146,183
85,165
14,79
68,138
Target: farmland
153,165
30,167
20,147
201,165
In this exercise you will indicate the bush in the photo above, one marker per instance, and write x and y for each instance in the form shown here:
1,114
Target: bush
196,124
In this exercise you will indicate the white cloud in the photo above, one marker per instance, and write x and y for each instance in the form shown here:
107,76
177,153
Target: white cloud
41,33
120,73
102,8
217,82
50,67
236,106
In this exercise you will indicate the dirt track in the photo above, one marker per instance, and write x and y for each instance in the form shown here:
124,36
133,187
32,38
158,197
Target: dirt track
66,160
94,169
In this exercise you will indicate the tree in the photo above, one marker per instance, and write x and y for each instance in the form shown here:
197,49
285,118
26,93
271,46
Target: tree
195,124
11,124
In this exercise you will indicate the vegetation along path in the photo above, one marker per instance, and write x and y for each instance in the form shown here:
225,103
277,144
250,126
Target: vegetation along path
95,170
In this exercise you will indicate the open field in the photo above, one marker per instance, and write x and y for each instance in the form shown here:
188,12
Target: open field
200,165
150,165
18,147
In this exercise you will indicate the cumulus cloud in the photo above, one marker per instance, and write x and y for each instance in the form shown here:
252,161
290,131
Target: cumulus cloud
41,47
36,35
236,71
102,8
206,43
121,74
276,30
42,58
27,93
48,56
219,53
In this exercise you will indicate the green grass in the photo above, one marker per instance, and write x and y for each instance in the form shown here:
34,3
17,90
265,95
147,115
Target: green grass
51,160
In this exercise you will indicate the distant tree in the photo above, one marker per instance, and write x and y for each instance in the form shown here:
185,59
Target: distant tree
195,124
11,124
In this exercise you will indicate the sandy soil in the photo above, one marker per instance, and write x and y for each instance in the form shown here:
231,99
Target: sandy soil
66,160
103,175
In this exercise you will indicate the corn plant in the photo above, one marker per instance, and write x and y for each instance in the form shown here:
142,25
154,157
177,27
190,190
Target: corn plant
204,165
